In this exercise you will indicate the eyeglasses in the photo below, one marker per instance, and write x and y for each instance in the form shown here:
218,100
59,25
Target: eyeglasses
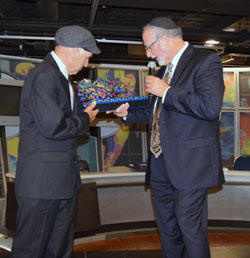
149,47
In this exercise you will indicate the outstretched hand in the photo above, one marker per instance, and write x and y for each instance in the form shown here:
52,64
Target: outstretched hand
91,112
121,111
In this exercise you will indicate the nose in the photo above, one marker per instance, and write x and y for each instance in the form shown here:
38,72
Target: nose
86,62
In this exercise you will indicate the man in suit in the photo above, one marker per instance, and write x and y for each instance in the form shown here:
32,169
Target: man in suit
47,176
184,157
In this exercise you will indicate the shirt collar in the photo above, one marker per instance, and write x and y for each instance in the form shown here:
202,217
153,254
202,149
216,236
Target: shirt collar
60,64
178,56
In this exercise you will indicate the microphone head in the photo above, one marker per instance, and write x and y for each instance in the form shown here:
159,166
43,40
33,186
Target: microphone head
152,64
151,68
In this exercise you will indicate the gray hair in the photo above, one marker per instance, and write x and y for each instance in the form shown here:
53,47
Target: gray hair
158,31
79,50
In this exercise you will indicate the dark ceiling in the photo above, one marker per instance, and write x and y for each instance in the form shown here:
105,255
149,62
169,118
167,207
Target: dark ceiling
122,20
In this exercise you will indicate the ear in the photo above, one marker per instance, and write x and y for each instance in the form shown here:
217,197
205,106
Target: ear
165,38
75,51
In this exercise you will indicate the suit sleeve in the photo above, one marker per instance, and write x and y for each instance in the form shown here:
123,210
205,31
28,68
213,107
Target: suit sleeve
140,115
203,100
48,113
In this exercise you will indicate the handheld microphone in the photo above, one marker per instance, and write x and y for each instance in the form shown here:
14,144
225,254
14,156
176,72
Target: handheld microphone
151,71
151,68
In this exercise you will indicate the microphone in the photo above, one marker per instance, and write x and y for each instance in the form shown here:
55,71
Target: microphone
151,68
151,71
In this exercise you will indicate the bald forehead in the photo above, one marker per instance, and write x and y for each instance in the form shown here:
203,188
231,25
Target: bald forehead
147,35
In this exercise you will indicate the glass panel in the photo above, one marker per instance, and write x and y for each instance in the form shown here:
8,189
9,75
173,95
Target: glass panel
229,94
244,89
227,139
244,133
12,137
144,75
15,69
123,147
87,152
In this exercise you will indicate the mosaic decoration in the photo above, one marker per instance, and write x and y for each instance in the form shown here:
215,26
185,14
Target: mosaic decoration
107,94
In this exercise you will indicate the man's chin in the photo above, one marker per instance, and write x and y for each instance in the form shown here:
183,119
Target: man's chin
160,62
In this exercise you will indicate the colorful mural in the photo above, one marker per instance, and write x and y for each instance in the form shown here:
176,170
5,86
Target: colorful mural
244,91
22,69
229,94
244,133
114,146
129,77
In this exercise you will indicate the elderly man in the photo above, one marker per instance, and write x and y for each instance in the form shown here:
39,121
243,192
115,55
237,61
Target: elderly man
184,158
47,176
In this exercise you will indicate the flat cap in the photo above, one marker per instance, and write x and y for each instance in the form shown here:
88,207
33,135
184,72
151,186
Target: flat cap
76,36
163,22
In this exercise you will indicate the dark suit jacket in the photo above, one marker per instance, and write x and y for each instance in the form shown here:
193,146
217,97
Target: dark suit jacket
189,121
47,162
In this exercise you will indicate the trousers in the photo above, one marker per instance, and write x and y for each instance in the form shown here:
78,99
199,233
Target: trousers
181,215
45,228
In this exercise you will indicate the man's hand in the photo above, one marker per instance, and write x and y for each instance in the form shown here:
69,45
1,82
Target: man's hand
92,113
121,111
155,86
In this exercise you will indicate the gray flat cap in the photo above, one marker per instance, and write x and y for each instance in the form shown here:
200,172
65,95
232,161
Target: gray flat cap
163,22
77,36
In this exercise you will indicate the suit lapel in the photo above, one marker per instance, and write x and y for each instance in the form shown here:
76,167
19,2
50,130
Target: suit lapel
183,62
75,96
61,77
160,73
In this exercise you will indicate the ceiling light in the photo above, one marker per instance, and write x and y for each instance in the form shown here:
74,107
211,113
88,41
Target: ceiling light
230,29
212,42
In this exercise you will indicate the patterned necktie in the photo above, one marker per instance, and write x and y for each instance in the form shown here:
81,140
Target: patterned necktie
155,144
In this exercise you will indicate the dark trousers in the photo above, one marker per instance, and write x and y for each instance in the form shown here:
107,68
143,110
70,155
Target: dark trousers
45,228
181,215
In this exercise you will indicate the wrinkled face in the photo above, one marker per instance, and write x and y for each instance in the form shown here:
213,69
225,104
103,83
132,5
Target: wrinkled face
156,48
78,59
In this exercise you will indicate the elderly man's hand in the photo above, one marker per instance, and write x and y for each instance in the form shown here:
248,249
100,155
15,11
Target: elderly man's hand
121,111
92,113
